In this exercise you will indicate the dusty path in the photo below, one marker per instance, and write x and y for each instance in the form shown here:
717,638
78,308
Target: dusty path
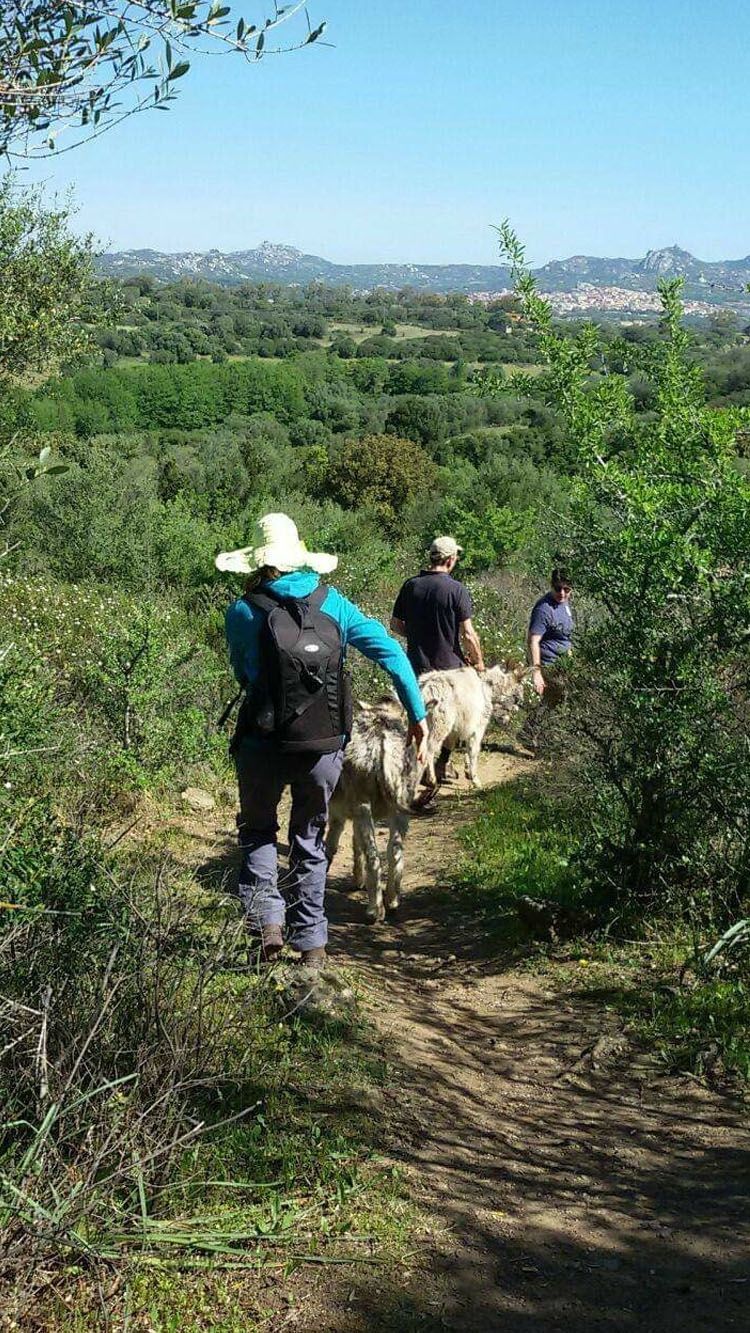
569,1184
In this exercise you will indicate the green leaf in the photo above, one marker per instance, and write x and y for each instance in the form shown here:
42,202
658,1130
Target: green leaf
178,71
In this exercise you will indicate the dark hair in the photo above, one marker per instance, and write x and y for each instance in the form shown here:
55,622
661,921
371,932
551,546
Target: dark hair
560,578
266,574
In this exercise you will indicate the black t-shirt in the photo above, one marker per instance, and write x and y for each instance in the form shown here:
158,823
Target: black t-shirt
432,606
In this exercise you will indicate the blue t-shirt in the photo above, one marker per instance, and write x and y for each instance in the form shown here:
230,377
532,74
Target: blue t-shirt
553,620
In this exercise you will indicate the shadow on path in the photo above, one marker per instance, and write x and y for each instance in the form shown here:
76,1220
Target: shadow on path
567,1184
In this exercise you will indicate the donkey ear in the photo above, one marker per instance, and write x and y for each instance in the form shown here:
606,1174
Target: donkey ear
520,672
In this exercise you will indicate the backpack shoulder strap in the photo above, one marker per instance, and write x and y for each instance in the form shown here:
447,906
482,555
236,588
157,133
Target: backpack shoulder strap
268,599
297,607
317,598
264,601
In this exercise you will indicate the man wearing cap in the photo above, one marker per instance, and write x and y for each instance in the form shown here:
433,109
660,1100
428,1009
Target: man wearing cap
284,581
433,613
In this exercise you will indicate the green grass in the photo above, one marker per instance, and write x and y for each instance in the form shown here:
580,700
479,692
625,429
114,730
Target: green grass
300,1180
301,1183
522,368
419,331
358,332
696,1025
303,1172
523,844
519,845
703,1029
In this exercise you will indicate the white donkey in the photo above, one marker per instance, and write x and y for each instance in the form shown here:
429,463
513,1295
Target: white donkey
461,703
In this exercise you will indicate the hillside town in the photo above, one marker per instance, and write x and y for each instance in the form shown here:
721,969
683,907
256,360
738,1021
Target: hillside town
589,298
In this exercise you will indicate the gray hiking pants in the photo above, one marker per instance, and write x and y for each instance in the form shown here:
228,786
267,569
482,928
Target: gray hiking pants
298,900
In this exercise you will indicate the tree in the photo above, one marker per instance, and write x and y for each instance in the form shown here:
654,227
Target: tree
85,67
420,419
382,473
489,533
47,276
344,346
659,541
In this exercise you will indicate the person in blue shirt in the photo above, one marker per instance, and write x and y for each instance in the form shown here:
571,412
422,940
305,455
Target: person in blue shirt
281,566
549,640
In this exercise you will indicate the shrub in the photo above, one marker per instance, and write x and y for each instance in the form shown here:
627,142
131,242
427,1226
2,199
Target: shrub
490,534
380,472
121,690
123,1044
659,539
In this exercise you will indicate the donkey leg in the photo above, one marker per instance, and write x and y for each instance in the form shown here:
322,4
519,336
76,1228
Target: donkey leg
335,828
360,868
399,827
473,747
365,834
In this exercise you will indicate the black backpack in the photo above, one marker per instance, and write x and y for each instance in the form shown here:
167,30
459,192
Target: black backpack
301,700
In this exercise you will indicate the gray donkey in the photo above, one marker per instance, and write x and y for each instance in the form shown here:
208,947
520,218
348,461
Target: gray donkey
378,784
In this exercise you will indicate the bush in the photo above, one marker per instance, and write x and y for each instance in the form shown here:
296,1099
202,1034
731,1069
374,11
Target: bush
124,1043
659,540
122,691
124,518
490,534
382,473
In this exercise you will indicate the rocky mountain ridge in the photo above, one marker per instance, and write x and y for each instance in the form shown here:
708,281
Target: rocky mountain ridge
721,282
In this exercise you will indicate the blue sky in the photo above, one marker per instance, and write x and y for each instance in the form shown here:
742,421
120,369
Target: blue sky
599,128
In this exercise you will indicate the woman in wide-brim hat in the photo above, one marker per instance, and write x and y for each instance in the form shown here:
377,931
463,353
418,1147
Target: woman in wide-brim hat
283,572
276,546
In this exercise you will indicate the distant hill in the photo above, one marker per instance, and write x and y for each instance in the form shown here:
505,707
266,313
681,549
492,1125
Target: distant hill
282,263
721,282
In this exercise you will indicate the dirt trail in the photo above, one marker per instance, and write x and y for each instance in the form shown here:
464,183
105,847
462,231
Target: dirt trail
570,1185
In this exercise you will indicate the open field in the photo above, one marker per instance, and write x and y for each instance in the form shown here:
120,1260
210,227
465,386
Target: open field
403,331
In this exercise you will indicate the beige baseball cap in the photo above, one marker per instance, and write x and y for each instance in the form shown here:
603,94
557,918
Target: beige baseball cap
443,548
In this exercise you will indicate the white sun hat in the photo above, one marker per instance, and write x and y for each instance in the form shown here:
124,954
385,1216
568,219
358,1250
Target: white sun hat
275,542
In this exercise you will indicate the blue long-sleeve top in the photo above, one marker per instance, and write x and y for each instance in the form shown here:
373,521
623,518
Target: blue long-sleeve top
368,636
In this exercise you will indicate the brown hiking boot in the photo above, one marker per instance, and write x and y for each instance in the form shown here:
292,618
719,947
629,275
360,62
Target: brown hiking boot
424,803
267,943
313,957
